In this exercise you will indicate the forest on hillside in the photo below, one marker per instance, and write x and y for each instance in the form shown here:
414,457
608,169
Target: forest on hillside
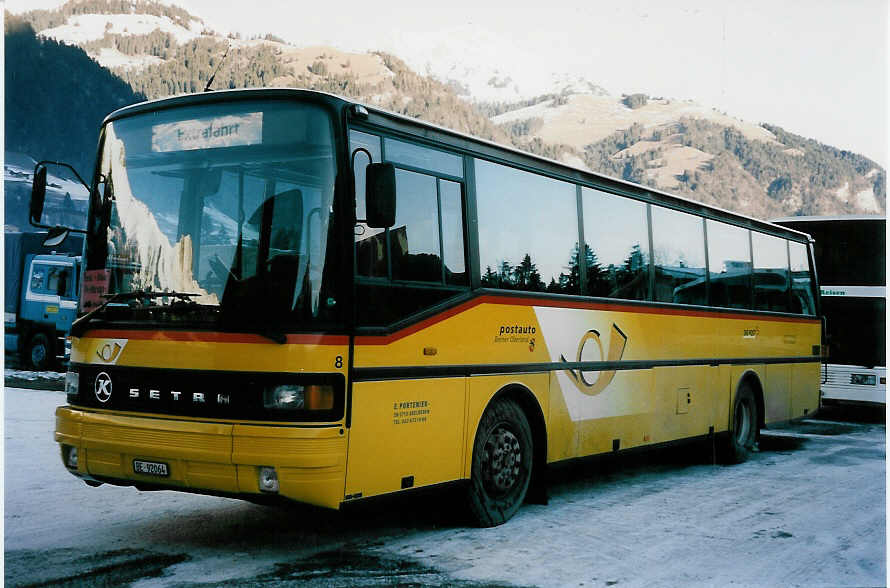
46,19
56,97
793,175
794,170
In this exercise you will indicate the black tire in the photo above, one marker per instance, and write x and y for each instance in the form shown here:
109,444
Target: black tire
745,426
502,463
38,352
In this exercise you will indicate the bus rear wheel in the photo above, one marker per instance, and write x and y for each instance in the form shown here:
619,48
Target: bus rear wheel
502,463
743,435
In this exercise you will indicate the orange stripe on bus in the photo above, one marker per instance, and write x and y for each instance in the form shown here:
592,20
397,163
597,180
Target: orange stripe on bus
511,301
216,337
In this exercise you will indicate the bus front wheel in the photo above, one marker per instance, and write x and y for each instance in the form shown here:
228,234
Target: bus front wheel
502,463
743,436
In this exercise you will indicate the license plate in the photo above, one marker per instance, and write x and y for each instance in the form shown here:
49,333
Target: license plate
151,468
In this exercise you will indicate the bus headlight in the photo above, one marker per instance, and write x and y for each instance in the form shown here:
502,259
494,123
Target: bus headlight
71,386
268,479
299,397
69,456
286,397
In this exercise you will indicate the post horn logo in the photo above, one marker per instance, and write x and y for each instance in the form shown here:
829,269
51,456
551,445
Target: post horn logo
617,344
110,351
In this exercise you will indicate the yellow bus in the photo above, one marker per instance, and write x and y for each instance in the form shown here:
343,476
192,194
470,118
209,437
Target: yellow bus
289,294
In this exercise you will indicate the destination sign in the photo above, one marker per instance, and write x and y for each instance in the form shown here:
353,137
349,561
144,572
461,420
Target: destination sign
854,291
233,130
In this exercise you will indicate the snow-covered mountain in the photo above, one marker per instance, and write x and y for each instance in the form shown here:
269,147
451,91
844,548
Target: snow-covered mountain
81,28
485,84
484,66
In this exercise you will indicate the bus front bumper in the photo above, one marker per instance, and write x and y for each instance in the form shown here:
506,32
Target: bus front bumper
212,458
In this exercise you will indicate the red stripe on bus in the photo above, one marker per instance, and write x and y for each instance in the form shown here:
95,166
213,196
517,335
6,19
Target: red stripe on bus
511,301
204,337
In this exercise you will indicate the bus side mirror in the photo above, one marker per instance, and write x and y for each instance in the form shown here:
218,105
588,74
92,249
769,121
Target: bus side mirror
38,199
38,194
380,195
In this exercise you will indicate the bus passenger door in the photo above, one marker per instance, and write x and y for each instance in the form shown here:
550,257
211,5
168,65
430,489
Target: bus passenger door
408,418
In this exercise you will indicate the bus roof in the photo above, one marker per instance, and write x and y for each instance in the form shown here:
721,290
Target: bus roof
470,144
838,217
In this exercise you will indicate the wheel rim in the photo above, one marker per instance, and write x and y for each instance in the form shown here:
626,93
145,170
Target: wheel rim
38,355
743,422
502,461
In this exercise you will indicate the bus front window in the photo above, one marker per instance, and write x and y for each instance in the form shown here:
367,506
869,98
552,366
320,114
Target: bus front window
230,202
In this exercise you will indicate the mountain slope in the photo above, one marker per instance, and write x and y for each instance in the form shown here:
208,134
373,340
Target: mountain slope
674,145
55,97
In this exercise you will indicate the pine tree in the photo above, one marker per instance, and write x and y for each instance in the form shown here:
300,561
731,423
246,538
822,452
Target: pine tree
489,278
505,275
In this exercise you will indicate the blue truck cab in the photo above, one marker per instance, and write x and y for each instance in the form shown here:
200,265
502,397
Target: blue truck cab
41,300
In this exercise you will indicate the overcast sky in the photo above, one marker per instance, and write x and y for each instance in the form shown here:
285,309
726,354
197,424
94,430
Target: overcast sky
815,67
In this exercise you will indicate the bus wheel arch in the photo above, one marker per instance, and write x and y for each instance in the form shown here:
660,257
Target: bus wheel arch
752,380
746,419
537,492
508,456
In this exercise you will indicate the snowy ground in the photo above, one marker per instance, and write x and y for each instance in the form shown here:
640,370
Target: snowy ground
809,510
48,380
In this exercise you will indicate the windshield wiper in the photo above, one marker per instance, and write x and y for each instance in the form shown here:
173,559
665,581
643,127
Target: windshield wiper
79,326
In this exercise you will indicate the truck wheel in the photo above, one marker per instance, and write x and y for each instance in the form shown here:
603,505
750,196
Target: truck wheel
502,464
38,354
743,435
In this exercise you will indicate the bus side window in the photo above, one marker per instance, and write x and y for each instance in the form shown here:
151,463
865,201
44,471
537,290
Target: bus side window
617,236
370,245
453,233
412,263
801,280
729,265
414,239
528,230
770,255
679,254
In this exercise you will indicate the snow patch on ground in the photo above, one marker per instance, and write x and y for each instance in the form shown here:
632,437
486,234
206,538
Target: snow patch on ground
32,376
81,28
843,193
38,380
112,58
664,520
585,118
865,200
573,160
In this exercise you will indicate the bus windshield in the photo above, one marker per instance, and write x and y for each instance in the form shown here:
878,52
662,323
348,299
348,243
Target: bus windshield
230,203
